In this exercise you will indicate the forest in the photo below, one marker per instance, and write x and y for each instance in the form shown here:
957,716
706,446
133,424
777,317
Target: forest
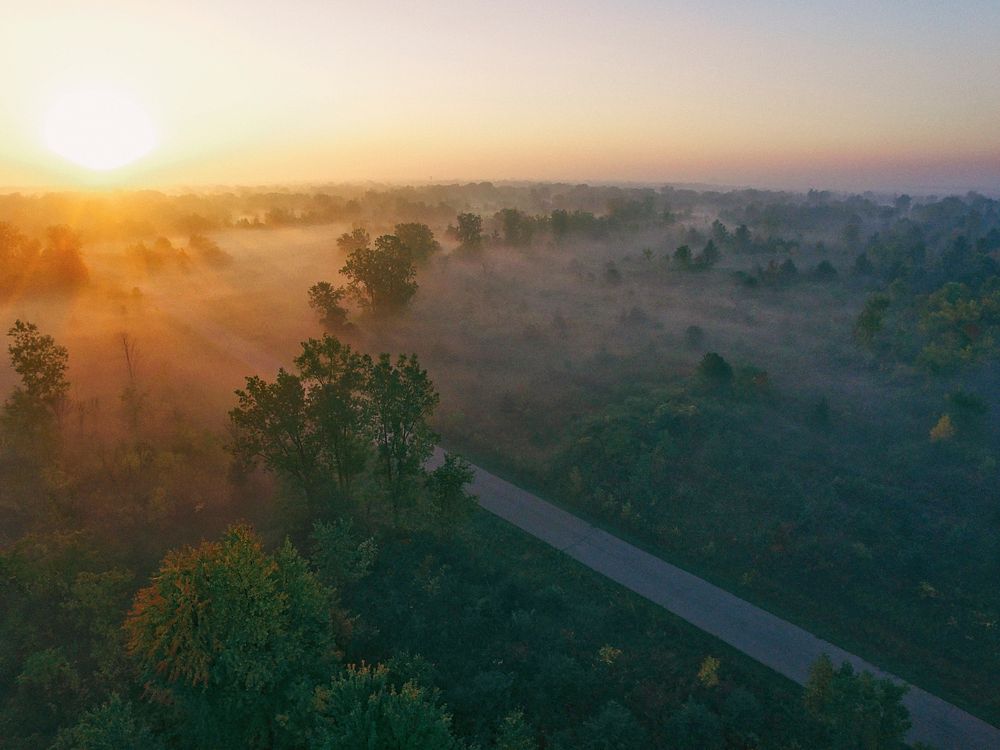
226,524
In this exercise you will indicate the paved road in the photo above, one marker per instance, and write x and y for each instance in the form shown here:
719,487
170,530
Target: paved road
778,644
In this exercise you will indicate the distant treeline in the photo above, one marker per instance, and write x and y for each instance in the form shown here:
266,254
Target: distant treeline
518,212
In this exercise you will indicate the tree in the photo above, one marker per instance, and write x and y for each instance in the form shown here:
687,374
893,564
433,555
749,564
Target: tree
715,370
274,424
870,319
682,257
114,725
418,239
943,430
326,300
856,710
335,379
695,727
614,728
708,672
231,637
825,271
311,427
381,277
360,709
720,233
446,485
469,231
742,239
357,239
862,266
35,407
17,255
402,399
709,255
516,227
339,557
61,262
514,733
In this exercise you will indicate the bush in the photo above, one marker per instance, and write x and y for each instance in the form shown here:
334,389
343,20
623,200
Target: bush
715,370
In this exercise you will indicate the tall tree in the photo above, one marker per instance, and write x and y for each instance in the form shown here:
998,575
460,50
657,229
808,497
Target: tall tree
382,278
334,376
326,300
61,262
232,638
418,239
356,239
114,725
450,501
469,231
361,709
856,710
402,398
35,407
275,425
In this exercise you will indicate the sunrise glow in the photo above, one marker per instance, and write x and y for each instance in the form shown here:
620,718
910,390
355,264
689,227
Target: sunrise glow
98,128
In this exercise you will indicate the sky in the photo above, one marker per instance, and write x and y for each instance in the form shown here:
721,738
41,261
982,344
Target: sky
895,94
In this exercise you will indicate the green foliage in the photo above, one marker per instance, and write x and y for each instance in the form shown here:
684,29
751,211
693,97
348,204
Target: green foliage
825,271
418,239
450,501
469,231
353,241
41,364
326,300
516,228
32,412
714,370
226,634
114,725
870,319
514,733
959,326
339,556
309,427
401,399
341,413
614,728
360,709
337,390
708,672
856,711
695,727
275,424
381,278
709,256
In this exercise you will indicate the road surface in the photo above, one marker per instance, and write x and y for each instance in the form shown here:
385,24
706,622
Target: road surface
780,645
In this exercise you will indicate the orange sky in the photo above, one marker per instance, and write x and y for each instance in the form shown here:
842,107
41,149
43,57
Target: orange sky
771,92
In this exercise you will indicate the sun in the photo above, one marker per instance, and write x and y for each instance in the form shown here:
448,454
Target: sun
99,128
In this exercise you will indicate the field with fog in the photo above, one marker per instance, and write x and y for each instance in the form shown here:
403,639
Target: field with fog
792,395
